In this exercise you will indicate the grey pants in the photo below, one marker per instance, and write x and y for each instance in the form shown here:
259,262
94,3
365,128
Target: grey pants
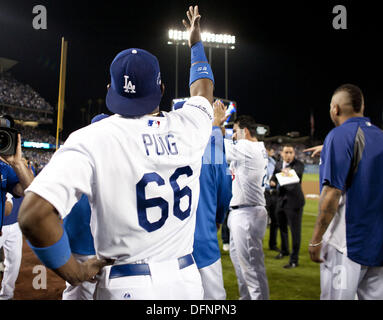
344,279
247,230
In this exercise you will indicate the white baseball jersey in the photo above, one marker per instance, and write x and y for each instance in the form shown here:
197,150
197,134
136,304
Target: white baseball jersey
141,176
336,231
248,165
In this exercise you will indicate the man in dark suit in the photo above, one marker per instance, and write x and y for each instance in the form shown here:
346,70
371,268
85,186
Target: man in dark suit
289,205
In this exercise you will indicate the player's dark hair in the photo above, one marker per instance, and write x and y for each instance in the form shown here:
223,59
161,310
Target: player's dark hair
248,122
355,94
287,145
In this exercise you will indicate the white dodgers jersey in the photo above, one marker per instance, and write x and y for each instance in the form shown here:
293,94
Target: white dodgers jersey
248,166
141,176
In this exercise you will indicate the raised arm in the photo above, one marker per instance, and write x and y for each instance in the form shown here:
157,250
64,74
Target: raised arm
315,150
201,76
23,173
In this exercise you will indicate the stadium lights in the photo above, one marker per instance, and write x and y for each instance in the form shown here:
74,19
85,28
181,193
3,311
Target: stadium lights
209,39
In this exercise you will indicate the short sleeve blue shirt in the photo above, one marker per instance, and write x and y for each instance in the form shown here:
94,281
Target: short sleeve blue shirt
352,161
77,226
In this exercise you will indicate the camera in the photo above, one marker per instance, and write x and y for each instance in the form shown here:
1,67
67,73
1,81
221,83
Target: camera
8,136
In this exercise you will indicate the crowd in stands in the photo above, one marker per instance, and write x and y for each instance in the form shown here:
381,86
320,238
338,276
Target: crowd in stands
38,158
14,97
15,93
35,134
23,115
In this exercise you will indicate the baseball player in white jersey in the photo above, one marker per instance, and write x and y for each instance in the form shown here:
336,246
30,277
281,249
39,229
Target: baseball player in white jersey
248,217
140,170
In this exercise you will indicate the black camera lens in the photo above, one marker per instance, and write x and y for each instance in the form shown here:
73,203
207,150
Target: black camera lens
5,140
8,137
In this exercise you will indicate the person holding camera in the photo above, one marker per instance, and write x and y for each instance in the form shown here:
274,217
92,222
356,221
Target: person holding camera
15,175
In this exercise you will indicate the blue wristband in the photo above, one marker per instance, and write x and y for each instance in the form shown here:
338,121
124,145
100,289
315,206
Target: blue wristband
198,53
200,71
55,255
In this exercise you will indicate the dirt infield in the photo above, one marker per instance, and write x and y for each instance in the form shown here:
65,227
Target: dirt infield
310,187
55,285
24,284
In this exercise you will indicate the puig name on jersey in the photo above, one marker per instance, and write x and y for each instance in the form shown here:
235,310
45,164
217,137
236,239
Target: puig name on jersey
160,145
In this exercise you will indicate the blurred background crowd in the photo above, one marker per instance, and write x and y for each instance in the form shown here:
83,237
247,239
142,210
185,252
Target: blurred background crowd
32,113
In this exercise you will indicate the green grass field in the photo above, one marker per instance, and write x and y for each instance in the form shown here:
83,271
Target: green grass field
301,283
310,177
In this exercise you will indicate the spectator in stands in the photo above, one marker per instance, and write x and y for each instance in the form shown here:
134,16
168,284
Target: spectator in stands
15,93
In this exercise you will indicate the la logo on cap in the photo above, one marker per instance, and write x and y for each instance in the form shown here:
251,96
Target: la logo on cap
129,86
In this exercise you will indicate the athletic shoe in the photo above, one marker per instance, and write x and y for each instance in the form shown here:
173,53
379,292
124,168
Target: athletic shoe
291,265
280,255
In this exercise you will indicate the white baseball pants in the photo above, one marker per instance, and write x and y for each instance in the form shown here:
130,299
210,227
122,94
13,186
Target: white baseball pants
344,279
85,291
247,229
165,282
12,241
212,281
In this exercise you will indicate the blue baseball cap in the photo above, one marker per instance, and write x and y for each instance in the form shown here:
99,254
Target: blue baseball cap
135,88
99,117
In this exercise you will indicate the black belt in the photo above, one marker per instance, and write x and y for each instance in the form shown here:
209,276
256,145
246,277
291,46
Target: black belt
272,191
244,206
142,269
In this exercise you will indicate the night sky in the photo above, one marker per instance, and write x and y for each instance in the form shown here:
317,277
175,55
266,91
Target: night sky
288,58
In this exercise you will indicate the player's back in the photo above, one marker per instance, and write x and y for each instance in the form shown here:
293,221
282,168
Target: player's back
364,205
146,178
351,161
249,169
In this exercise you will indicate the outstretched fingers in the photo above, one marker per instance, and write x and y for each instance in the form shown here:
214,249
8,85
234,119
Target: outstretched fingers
193,17
187,26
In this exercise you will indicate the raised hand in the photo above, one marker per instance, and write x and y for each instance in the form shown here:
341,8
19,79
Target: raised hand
193,25
315,150
219,113
16,158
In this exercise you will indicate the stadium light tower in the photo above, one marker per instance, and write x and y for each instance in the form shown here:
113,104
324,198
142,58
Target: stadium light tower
210,40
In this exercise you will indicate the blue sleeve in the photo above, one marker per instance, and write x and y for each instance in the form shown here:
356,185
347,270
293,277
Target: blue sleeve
223,179
12,179
224,193
336,157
